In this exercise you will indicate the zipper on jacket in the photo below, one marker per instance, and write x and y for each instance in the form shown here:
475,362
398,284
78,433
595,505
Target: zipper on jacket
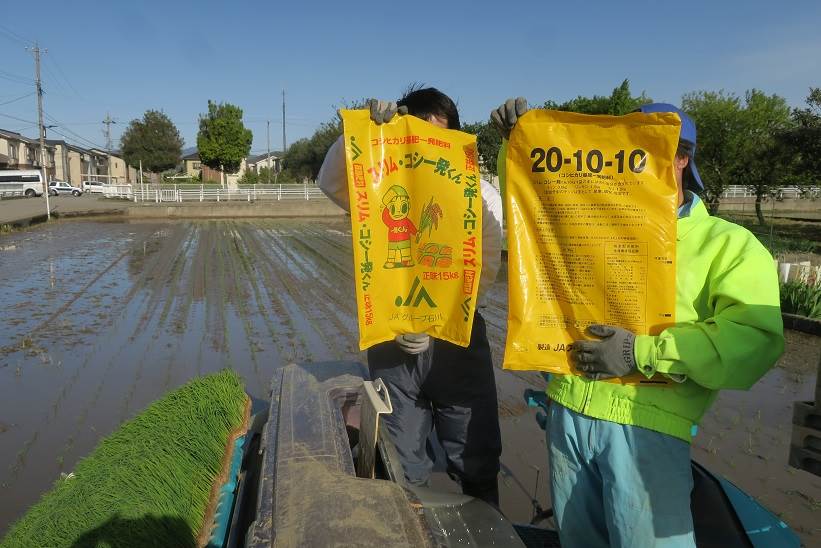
588,389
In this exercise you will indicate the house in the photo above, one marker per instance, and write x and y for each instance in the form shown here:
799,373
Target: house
74,164
64,161
120,171
71,161
231,179
271,161
19,152
111,167
191,165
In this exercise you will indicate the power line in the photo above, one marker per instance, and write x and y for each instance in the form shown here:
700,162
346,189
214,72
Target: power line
18,119
17,99
74,139
56,65
13,36
53,78
81,123
76,135
11,77
24,128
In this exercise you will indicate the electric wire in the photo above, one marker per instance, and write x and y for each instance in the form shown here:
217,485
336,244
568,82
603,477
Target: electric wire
16,99
65,127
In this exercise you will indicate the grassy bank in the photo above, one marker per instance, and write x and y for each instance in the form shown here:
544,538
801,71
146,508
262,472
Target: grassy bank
781,235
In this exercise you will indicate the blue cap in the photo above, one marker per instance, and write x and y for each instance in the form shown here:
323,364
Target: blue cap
688,135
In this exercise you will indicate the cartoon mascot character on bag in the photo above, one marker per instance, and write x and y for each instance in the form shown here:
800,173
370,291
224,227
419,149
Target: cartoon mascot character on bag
400,228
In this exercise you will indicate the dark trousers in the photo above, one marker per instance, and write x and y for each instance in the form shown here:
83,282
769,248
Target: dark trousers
452,389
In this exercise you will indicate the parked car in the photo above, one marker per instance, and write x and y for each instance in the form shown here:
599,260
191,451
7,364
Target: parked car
62,187
26,182
94,187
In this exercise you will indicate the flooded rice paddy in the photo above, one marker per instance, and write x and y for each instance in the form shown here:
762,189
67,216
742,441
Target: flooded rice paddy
101,318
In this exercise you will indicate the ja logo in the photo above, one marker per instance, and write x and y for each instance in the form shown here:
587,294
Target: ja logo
417,294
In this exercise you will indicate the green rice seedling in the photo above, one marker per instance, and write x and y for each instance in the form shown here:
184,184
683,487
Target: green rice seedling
802,299
147,484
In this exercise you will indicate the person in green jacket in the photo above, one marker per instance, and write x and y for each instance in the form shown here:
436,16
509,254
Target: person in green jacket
620,454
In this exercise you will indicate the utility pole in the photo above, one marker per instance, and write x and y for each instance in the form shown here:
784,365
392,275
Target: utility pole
108,121
43,158
284,144
268,160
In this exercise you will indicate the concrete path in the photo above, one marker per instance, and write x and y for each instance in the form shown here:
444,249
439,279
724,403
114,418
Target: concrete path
23,209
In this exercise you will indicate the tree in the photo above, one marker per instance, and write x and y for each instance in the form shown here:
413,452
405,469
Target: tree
154,140
488,143
763,162
803,140
223,141
260,177
304,157
718,120
620,101
295,161
741,142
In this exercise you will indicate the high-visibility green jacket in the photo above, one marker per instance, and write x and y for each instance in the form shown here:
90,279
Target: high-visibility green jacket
728,333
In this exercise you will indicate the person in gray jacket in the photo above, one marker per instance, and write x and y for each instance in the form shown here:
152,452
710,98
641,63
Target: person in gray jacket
434,383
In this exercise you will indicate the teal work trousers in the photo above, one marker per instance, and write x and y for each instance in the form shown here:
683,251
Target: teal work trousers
618,485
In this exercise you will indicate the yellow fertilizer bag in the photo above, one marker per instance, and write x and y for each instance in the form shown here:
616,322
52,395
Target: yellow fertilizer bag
416,222
591,224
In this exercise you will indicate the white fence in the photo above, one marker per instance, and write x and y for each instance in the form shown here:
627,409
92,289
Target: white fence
105,179
202,193
803,272
784,192
250,193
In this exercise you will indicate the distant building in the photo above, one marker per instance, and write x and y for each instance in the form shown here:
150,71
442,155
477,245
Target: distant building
116,173
231,179
271,161
191,165
19,152
120,171
64,161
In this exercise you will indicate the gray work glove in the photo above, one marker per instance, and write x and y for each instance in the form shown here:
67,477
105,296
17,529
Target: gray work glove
413,343
506,116
383,111
609,357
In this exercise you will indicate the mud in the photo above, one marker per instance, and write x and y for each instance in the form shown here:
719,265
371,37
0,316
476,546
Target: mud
101,318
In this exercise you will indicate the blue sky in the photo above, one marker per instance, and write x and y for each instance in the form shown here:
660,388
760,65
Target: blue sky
125,58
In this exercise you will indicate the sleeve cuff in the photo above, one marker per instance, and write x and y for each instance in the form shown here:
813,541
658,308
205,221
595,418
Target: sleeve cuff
644,352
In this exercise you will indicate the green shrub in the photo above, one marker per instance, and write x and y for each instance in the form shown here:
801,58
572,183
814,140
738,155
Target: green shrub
148,483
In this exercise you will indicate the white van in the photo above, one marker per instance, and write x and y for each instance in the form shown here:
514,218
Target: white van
94,187
28,182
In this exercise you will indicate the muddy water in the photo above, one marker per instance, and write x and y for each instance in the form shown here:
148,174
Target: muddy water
99,319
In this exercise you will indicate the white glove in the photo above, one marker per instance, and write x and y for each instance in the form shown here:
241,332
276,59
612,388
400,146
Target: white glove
413,343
